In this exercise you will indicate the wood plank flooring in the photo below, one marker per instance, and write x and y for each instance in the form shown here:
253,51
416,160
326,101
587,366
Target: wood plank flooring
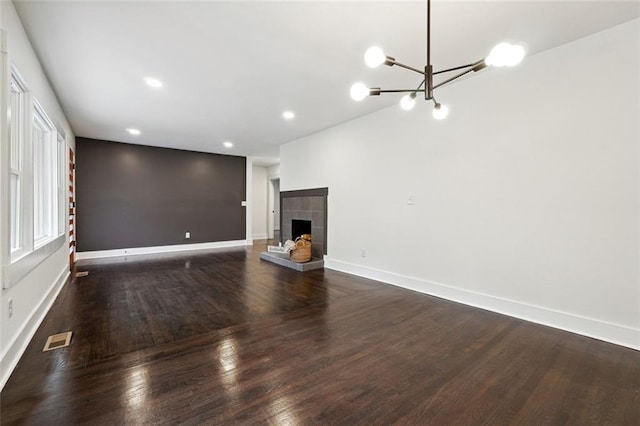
223,338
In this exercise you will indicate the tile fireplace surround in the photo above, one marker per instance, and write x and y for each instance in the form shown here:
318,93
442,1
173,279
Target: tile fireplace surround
306,204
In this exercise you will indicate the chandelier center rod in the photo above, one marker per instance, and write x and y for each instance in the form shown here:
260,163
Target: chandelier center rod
428,69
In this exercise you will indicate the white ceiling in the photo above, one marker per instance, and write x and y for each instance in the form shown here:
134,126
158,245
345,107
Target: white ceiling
231,68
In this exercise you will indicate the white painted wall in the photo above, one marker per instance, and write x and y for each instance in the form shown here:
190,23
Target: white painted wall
273,172
273,202
249,201
276,204
526,197
35,293
259,203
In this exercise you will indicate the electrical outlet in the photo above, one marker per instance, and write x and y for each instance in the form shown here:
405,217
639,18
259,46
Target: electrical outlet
10,308
363,253
410,200
187,234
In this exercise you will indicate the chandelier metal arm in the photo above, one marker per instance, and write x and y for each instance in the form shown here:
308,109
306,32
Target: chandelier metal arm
449,80
473,67
455,68
409,68
402,91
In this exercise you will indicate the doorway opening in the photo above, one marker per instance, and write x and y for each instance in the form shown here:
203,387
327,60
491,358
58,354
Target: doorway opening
273,222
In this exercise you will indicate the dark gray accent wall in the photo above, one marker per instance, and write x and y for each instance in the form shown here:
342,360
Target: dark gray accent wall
139,196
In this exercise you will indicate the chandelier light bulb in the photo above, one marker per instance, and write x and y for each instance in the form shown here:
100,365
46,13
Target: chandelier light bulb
516,55
505,55
359,91
408,102
374,57
499,55
440,112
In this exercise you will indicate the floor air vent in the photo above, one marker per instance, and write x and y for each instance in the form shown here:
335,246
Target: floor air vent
57,341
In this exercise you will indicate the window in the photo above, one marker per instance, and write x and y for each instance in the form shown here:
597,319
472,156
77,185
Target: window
37,185
45,179
62,181
18,113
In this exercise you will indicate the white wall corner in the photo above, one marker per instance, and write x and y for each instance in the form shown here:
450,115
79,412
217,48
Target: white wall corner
273,172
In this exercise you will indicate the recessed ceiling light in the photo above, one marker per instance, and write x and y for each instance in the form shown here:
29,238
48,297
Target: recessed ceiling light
227,144
288,115
153,82
134,132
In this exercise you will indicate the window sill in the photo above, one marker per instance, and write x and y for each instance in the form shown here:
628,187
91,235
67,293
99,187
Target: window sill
38,244
21,266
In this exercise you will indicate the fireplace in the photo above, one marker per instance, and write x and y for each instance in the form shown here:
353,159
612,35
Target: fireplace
305,212
299,227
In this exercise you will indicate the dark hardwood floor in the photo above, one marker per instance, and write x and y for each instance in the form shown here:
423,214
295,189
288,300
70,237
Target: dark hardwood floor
224,338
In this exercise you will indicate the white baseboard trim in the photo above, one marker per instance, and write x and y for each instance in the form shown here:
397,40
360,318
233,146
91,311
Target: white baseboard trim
597,329
16,348
157,249
259,236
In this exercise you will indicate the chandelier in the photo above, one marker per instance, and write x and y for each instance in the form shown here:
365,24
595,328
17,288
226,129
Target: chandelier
503,54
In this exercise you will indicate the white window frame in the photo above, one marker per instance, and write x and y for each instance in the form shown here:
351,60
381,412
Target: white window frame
30,253
18,125
62,182
46,168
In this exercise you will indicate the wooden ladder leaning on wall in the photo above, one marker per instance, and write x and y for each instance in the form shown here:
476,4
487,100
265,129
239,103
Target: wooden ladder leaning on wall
72,210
